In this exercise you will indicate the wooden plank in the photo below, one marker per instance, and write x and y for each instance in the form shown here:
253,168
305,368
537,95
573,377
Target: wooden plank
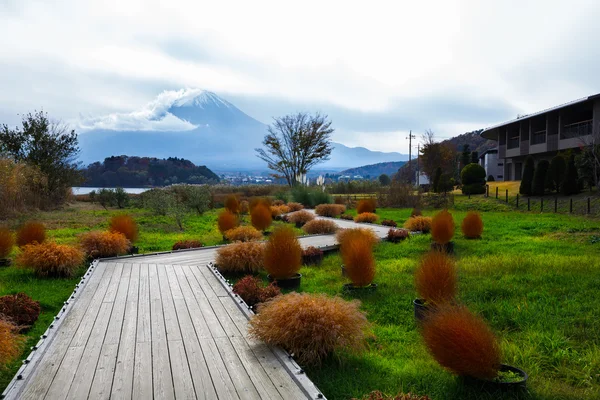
63,379
220,377
242,382
122,386
182,378
207,311
215,284
143,321
198,321
142,372
161,365
103,378
171,322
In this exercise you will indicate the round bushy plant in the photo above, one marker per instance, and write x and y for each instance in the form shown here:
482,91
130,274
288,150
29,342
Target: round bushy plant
472,225
232,204
368,235
31,232
51,259
418,224
301,217
98,244
330,210
366,206
126,225
252,290
226,220
473,179
442,227
366,217
20,309
436,279
240,257
10,342
295,206
319,227
283,253
359,261
243,234
260,216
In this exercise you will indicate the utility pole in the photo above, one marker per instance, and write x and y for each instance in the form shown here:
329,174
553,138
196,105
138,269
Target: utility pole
418,152
410,138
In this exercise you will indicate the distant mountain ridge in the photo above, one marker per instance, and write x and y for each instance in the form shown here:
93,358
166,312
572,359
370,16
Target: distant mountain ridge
475,141
374,170
199,126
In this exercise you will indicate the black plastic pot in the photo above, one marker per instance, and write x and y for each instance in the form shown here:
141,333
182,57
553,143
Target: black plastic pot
287,283
5,262
447,248
267,233
134,250
299,225
349,287
312,259
499,386
421,309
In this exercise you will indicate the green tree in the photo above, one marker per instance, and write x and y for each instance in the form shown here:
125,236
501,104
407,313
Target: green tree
570,184
556,172
121,197
384,179
472,177
48,145
539,178
527,179
295,143
466,155
436,180
475,157
434,155
106,198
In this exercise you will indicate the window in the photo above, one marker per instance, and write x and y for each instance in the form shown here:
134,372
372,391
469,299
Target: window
500,177
501,164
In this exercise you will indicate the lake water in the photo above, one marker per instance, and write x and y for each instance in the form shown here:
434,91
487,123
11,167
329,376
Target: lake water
87,190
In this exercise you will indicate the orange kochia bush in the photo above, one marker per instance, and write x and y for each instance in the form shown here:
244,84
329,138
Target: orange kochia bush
462,342
226,221
245,257
283,253
330,210
295,206
311,326
31,232
126,225
6,242
243,234
365,234
366,217
435,278
260,216
366,205
418,224
232,204
442,227
357,255
472,225
99,244
301,217
10,342
51,259
319,227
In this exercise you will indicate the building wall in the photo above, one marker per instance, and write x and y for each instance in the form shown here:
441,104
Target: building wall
490,163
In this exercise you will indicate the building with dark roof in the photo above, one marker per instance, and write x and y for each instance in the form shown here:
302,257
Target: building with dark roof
544,133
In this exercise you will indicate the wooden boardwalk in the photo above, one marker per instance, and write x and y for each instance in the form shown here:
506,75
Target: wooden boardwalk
160,326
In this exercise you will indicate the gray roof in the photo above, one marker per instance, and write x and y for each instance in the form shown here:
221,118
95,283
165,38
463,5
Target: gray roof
525,117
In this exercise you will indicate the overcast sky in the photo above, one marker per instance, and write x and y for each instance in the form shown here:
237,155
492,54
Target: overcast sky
378,69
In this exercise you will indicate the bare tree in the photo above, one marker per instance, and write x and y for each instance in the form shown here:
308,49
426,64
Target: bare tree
295,143
428,137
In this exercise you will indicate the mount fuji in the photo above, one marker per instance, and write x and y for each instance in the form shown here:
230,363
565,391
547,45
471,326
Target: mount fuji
199,126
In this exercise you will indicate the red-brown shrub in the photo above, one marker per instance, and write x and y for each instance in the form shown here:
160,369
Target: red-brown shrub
10,342
472,225
358,259
227,220
277,203
442,227
462,342
243,234
366,206
126,225
397,235
311,326
6,242
276,211
258,201
366,217
31,232
260,216
365,234
320,226
51,259
301,217
240,257
330,210
283,253
418,224
389,222
252,291
20,309
98,244
244,207
377,395
295,206
187,244
232,204
435,278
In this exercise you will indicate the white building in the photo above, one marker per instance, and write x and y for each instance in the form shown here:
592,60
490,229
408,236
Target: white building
489,161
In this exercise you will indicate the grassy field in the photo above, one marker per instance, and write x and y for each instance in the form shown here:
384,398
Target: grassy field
534,277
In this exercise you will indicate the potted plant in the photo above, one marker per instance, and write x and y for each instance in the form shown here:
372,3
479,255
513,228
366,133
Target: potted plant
7,242
442,231
312,256
359,263
344,236
462,343
260,217
435,282
283,258
397,235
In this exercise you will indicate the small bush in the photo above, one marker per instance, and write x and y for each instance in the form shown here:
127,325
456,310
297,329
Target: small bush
377,395
462,342
311,326
472,225
232,204
261,218
100,244
301,217
358,259
283,253
320,226
244,207
491,178
121,197
397,235
187,244
226,221
442,227
126,225
51,259
366,206
243,234
347,217
253,292
31,232
366,217
472,177
10,342
258,201
418,224
364,234
330,210
295,206
312,251
20,309
240,257
435,278
278,203
389,222
6,242
276,211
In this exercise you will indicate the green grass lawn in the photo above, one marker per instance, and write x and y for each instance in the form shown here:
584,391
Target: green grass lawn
534,277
